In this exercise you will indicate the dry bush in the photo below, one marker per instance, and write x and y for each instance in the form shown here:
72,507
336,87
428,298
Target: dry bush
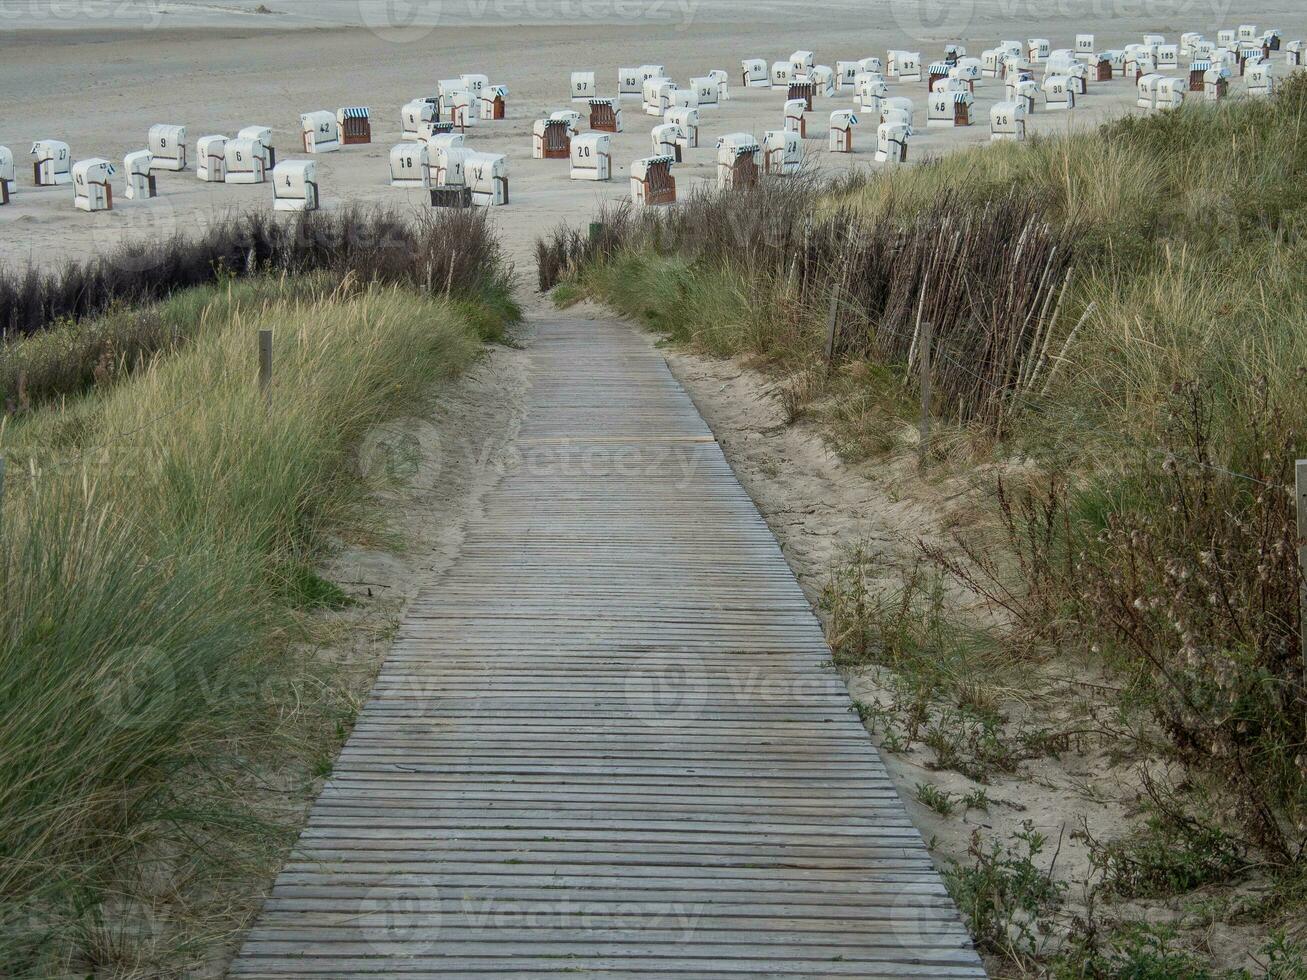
450,251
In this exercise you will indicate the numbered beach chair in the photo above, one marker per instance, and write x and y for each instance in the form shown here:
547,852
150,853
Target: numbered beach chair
796,117
950,108
666,140
1007,121
1216,83
872,92
463,109
264,135
782,153
92,184
707,91
417,117
782,75
167,146
904,66
355,123
898,109
967,70
822,80
1146,91
321,132
52,162
753,73
892,142
684,98
652,183
842,122
1058,93
688,120
630,83
551,139
605,115
801,90
583,86
1026,92
592,157
494,103
476,84
211,159
738,161
447,176
658,96
1261,80
487,178
245,161
1170,94
723,81
410,165
295,185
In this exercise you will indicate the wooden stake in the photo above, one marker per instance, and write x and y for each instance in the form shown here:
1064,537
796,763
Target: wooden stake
832,320
1300,486
923,367
265,363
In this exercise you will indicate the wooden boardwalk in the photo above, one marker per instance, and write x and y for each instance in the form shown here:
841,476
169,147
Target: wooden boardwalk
609,742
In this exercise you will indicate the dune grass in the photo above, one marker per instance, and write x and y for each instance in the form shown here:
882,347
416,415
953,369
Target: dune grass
155,567
1146,526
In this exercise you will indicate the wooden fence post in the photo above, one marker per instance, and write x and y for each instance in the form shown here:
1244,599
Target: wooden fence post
923,368
832,323
1300,487
265,363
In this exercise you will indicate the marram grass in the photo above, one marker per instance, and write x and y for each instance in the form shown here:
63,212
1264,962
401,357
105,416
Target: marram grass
153,534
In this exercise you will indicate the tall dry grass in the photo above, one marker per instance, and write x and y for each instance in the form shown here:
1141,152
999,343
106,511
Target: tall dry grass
446,251
152,561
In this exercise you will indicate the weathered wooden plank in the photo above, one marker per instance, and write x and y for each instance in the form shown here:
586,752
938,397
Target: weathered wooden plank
609,741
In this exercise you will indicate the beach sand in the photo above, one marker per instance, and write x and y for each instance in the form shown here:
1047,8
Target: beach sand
98,73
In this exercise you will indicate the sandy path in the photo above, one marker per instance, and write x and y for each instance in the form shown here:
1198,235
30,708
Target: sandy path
99,88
